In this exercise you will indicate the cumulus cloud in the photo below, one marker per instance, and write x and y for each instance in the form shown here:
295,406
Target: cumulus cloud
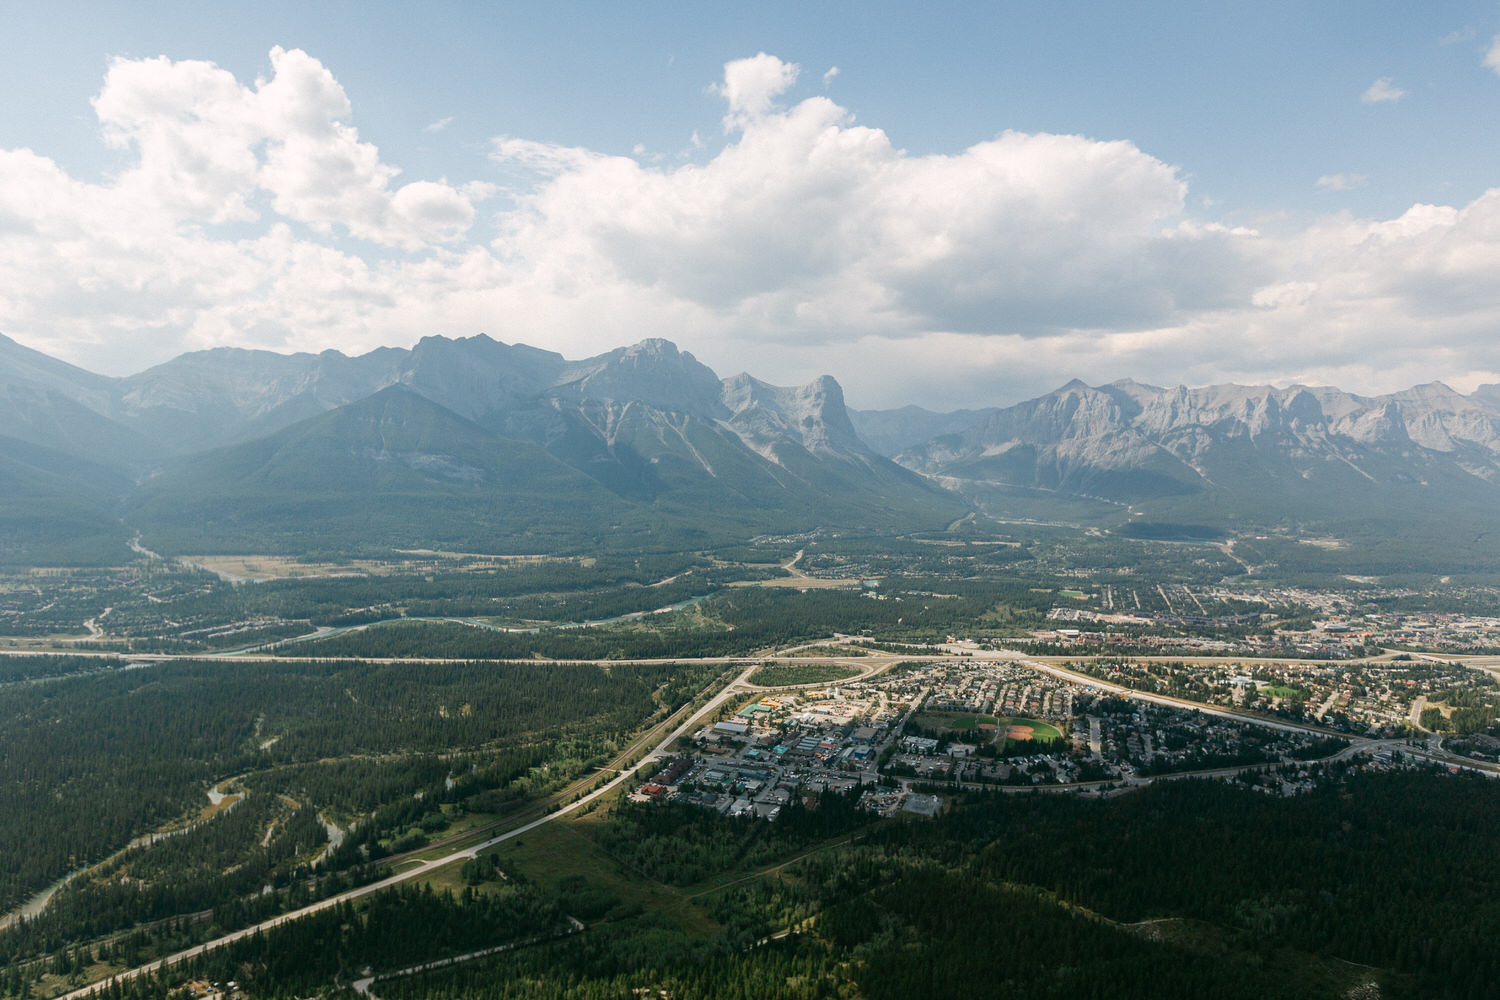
802,242
810,226
752,85
207,147
1381,91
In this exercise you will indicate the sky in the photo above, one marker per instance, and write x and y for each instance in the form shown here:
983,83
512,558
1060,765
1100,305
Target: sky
946,205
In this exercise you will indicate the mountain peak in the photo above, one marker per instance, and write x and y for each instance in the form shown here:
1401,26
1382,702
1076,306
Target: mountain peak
813,414
652,371
654,346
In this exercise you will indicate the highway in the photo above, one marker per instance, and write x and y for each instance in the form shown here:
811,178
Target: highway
740,685
1074,677
734,688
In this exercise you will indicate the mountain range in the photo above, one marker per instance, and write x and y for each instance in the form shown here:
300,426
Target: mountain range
476,445
1413,474
465,444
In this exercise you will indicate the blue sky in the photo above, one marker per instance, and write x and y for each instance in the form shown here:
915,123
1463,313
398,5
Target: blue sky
982,201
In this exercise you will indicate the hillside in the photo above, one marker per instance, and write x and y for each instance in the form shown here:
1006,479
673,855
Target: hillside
394,470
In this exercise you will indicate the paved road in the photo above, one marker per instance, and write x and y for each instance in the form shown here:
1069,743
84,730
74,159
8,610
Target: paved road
740,686
733,689
1073,676
1417,707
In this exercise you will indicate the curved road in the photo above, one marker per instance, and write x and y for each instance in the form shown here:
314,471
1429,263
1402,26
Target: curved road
733,689
739,686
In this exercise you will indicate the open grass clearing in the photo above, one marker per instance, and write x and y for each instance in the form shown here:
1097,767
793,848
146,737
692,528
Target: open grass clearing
953,722
824,650
1284,692
451,878
271,567
57,642
564,850
968,722
802,583
966,725
1333,975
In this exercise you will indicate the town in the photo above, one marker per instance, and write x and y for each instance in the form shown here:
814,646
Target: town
923,729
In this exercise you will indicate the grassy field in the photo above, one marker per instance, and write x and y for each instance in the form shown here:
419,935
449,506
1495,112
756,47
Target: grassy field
961,722
272,567
564,851
827,649
958,722
1281,691
1039,730
802,583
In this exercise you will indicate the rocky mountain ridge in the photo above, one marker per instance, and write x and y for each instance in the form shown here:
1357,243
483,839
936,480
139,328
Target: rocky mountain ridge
1128,425
649,424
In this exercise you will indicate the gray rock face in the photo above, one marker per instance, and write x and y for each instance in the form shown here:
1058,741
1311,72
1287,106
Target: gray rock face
650,424
1153,441
209,398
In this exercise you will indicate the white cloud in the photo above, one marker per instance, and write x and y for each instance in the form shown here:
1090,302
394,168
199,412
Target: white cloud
752,85
1382,90
541,157
208,146
803,242
828,76
1492,54
809,226
1341,182
439,125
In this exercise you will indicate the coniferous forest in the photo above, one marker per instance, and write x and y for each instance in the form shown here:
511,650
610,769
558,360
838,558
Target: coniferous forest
1374,883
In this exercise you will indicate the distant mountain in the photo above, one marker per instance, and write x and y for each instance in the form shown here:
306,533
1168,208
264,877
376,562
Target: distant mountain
1412,466
1487,395
890,432
21,365
493,447
469,443
56,406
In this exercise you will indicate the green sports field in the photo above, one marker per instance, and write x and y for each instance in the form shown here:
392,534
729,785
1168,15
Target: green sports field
1039,730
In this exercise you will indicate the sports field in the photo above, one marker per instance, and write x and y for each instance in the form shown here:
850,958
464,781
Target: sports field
1017,728
953,721
1002,728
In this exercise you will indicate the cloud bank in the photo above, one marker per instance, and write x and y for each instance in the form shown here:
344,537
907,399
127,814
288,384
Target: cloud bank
804,241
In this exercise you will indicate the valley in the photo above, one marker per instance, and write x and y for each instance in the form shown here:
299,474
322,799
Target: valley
839,501
517,675
391,728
